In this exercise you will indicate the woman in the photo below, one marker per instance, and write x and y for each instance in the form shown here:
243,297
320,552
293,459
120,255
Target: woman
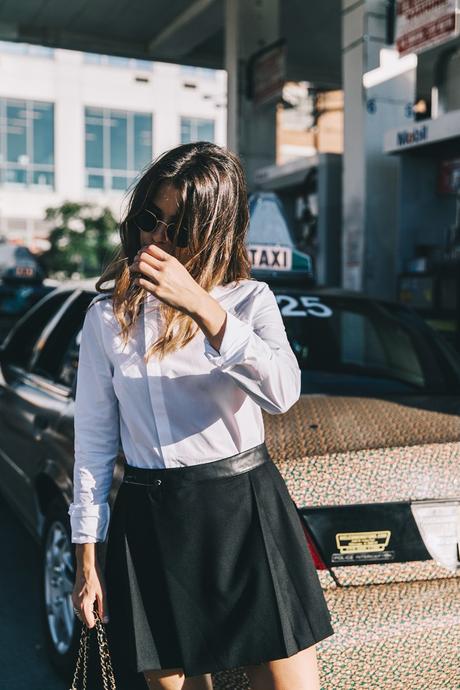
206,567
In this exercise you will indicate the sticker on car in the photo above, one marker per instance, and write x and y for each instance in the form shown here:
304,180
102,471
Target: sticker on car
303,305
356,547
353,542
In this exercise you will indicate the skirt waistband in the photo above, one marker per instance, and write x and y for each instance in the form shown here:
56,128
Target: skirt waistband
225,467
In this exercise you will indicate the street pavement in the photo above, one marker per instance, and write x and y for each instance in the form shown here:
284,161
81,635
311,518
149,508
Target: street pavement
23,661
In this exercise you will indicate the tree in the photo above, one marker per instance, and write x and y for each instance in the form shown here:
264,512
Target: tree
82,242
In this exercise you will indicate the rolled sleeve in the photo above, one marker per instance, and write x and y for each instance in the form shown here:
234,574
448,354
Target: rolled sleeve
97,435
257,354
90,523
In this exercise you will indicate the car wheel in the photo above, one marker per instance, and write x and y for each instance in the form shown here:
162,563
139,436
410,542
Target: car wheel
61,627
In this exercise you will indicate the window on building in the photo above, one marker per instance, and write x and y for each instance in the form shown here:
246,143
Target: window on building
117,61
198,72
26,49
26,143
196,129
117,145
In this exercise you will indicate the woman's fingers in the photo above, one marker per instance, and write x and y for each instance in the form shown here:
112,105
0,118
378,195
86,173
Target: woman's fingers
88,598
77,601
154,255
148,284
155,251
150,259
87,612
149,269
102,606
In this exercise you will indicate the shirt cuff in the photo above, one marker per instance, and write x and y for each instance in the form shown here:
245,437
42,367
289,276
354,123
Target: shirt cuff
234,347
89,522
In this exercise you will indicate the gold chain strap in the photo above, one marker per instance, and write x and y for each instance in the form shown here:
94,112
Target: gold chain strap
108,678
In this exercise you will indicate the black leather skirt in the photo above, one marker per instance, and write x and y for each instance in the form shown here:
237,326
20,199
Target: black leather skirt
207,568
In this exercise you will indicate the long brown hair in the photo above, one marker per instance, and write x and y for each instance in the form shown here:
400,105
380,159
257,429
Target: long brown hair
214,207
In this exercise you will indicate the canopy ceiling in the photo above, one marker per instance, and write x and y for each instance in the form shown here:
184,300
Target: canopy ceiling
182,31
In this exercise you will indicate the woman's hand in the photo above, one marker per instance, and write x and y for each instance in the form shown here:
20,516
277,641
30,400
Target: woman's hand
167,279
170,281
89,588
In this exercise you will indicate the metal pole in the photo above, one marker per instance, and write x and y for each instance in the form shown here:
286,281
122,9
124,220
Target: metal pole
231,65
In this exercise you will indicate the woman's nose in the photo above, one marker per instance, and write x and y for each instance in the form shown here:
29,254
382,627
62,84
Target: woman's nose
159,234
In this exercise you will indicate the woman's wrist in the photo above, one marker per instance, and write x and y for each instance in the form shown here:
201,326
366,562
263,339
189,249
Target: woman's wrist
211,318
85,555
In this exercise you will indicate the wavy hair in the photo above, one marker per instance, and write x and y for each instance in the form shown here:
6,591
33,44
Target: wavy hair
213,203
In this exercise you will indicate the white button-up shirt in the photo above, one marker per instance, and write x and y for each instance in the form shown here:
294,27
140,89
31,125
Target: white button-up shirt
194,406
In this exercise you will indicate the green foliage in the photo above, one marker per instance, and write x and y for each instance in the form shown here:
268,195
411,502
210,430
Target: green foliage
83,240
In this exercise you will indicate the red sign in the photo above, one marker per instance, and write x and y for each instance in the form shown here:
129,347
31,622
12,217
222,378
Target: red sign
421,24
268,74
449,177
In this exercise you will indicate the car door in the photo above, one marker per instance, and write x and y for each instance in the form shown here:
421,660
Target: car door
33,397
53,371
16,398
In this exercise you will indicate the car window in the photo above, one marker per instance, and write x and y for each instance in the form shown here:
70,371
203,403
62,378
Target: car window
58,357
358,345
69,364
371,344
20,342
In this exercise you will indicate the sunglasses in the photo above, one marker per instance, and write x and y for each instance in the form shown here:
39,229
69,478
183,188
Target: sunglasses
148,221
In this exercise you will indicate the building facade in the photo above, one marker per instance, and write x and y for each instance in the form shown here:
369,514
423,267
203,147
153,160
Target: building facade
78,127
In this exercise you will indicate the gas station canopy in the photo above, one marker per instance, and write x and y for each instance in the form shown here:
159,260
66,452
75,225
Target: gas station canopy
189,32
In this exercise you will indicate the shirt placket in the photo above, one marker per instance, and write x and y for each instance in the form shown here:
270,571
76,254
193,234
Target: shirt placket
154,383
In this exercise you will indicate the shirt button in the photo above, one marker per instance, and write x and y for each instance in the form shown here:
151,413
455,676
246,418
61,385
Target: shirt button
158,481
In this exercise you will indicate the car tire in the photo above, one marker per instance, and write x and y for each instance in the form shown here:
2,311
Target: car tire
63,656
61,628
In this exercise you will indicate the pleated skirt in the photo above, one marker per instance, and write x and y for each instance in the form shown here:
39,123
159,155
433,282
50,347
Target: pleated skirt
207,568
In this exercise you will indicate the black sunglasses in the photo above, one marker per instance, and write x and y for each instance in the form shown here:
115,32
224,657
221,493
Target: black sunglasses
148,220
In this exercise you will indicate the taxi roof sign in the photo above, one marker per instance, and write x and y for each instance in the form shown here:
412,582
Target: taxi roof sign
268,223
270,243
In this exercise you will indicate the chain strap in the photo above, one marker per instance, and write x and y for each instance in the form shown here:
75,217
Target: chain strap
81,667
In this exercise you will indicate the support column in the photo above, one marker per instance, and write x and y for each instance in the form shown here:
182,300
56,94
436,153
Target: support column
370,182
231,65
250,26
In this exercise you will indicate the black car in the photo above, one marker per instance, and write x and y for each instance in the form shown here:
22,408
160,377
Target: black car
17,297
346,344
22,284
